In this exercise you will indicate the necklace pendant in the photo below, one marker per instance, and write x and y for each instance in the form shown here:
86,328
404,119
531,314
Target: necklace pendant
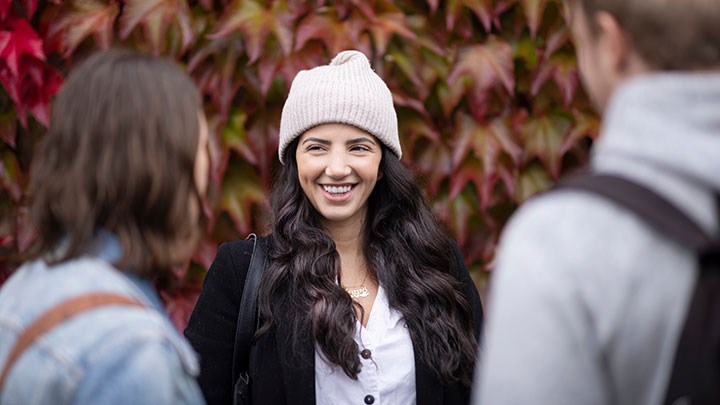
360,292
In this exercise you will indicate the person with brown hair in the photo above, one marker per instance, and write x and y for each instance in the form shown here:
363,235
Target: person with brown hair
365,298
588,300
116,188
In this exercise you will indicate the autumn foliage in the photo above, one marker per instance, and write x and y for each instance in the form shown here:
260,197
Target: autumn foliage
487,94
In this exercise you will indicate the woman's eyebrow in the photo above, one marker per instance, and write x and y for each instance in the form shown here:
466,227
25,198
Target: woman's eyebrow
360,140
318,140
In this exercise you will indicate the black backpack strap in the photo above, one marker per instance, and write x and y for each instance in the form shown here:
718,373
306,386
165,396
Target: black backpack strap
247,315
695,377
646,204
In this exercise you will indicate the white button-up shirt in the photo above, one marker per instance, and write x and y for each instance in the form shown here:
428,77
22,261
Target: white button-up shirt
388,372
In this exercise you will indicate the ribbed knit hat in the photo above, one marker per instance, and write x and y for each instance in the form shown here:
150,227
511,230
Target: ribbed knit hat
347,91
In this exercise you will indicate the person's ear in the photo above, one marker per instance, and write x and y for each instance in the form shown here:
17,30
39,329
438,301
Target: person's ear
614,42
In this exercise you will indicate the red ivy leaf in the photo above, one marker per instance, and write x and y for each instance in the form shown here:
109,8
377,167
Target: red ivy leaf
21,41
205,253
556,40
4,8
30,83
487,142
366,7
457,212
310,56
336,35
30,7
484,11
41,107
471,171
387,25
487,67
413,128
435,162
88,17
180,304
214,68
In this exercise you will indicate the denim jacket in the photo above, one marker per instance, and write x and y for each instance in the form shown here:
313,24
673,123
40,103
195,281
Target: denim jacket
107,355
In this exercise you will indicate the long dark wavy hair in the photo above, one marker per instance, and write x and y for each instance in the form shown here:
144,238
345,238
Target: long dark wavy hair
407,251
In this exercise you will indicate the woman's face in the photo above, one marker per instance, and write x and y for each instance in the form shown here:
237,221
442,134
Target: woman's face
338,167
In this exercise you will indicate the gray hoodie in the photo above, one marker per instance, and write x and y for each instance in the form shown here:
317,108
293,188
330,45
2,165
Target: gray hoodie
587,301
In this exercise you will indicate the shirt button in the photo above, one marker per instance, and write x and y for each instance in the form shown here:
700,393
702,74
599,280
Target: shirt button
369,399
366,354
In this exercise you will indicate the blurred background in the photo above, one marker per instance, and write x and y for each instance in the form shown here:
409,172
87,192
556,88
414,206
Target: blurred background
489,102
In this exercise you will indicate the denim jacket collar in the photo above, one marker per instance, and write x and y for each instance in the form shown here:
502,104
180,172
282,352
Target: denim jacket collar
107,247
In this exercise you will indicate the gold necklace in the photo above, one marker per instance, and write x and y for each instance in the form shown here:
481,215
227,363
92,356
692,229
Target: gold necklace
358,292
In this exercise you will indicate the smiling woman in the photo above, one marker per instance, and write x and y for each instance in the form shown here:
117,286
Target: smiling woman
365,298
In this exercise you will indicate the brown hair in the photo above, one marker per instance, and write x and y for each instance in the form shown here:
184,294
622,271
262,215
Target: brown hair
120,157
667,34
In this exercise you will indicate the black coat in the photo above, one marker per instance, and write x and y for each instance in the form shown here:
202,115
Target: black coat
282,373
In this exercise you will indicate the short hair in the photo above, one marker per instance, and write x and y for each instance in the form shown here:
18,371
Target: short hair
119,156
667,34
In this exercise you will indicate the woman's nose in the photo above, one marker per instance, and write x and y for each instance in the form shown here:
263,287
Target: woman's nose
337,166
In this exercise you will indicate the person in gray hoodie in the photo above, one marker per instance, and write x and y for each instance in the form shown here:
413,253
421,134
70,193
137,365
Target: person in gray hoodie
587,301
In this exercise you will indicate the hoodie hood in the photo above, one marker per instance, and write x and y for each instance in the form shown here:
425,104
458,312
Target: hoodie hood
667,120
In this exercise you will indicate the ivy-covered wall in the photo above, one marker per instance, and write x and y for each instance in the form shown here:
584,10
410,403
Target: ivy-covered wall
487,93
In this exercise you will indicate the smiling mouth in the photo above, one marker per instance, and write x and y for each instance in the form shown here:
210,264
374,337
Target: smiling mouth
337,190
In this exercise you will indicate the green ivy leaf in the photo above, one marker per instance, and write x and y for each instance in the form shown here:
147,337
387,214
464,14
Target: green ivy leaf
11,176
234,137
8,128
255,23
563,70
531,181
241,190
544,136
155,16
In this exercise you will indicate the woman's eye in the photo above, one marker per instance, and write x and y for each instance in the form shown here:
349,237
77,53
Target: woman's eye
360,148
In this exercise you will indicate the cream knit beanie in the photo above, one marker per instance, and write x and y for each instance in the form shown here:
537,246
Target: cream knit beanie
347,91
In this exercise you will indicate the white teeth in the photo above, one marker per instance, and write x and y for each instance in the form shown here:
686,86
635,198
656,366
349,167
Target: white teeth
337,190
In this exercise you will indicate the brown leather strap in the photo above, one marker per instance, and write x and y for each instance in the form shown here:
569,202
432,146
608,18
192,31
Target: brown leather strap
58,314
